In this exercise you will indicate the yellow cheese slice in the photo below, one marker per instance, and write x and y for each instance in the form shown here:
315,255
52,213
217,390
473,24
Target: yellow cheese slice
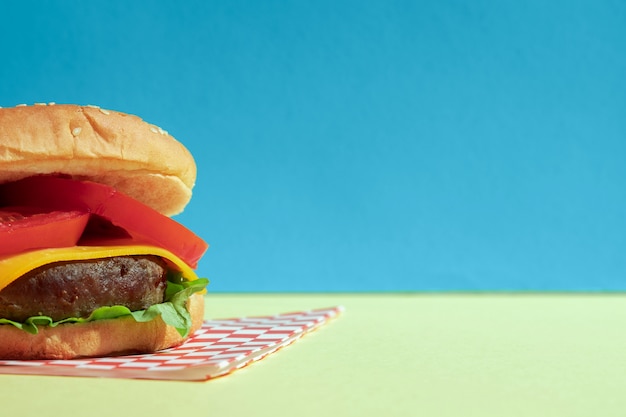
13,267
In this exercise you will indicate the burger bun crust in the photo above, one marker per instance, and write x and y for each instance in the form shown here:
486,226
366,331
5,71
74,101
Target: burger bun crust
89,143
97,338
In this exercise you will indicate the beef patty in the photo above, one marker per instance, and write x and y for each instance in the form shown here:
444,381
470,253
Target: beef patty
75,289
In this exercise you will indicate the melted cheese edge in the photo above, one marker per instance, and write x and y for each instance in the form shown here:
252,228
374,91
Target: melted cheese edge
13,267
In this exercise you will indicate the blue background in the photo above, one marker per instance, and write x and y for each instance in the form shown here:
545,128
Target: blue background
365,146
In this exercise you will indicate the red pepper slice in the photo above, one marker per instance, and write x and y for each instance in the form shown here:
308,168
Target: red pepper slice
142,223
27,228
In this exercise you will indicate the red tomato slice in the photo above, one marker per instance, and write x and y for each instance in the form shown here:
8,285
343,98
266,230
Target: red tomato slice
141,223
26,228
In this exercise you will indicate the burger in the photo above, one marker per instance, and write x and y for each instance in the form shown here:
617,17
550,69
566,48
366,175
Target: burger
91,261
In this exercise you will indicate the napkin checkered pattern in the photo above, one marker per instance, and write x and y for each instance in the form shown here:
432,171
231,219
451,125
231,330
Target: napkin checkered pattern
217,348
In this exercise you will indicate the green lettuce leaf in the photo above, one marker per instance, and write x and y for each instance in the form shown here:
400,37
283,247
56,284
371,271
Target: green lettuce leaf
173,310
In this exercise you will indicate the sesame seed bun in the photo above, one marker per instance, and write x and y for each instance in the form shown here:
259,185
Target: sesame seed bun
96,338
90,143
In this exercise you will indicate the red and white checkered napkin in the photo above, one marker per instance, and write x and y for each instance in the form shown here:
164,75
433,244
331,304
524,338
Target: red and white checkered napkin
217,348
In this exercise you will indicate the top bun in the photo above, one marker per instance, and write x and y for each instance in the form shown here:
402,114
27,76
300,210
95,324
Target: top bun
104,146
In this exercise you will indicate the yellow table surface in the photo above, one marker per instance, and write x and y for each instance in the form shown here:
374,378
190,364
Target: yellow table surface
390,355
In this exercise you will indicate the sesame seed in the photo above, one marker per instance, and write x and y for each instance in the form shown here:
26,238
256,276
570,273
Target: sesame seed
52,103
21,105
92,106
104,111
154,129
40,104
76,131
